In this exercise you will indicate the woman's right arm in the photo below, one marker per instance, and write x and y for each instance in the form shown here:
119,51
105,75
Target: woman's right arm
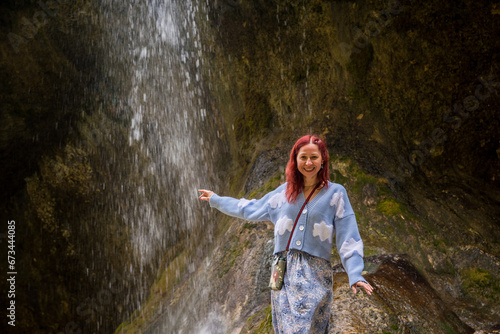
252,210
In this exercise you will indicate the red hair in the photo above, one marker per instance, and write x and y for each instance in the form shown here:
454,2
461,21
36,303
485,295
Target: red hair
294,179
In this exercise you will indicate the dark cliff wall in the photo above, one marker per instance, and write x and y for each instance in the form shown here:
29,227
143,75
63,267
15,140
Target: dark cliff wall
56,119
416,84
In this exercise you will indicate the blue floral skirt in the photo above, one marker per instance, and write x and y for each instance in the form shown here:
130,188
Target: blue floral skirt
303,304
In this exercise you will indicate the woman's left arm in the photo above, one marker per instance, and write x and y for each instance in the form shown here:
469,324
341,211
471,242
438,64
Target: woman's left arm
349,243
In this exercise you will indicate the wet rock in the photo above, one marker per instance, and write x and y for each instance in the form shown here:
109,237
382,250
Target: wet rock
264,167
403,301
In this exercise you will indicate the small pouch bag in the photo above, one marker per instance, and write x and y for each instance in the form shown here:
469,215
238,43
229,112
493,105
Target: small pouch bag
278,269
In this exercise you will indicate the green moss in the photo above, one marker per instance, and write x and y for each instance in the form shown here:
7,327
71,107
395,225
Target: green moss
344,171
480,284
389,207
477,278
337,177
446,327
236,181
261,322
441,245
369,251
249,226
270,185
338,171
233,251
362,180
273,183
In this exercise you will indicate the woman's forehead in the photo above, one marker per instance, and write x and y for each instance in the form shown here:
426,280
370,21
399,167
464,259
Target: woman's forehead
308,149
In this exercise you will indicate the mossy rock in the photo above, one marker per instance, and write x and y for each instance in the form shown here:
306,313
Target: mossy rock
259,323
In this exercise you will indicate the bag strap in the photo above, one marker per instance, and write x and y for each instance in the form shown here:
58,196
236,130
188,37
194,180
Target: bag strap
301,209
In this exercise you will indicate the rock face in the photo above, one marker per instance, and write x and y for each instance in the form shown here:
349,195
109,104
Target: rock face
404,302
406,94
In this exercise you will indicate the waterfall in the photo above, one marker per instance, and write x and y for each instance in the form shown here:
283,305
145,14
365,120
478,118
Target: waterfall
155,57
154,62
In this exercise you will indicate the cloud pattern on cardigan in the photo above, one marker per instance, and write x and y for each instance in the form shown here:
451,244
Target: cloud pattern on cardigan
350,246
244,202
277,200
282,225
338,201
323,231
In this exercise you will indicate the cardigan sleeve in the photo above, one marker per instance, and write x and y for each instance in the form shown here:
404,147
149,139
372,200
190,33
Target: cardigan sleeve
252,210
348,240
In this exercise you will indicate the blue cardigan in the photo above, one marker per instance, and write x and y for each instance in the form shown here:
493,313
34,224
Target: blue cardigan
329,213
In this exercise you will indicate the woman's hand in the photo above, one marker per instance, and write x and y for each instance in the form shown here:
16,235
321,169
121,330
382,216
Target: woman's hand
205,194
368,288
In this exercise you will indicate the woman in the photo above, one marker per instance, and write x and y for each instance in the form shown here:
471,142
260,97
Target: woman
303,304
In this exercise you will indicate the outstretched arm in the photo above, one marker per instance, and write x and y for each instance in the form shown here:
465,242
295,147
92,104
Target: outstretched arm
252,210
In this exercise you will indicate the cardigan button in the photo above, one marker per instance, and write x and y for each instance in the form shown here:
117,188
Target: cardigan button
304,212
298,243
301,227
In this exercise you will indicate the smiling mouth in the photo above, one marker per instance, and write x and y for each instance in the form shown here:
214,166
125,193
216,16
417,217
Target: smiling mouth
309,170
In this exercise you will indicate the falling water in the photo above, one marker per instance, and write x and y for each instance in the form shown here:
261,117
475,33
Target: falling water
155,56
145,41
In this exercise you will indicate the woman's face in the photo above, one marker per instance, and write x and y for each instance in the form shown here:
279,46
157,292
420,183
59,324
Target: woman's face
309,161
